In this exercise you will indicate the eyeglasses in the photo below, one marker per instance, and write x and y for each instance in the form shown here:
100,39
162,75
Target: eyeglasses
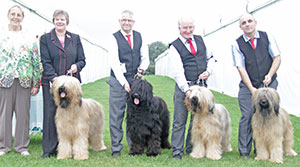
127,20
187,27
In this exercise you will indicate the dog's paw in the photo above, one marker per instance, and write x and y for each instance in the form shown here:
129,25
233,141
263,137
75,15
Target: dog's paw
197,156
134,153
166,145
259,158
214,157
101,148
228,149
81,157
153,154
291,153
278,161
60,157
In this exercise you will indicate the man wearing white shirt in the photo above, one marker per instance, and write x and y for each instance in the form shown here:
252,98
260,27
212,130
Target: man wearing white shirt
128,57
257,58
191,63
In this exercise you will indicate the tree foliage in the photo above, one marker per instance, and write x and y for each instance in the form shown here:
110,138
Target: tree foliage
155,49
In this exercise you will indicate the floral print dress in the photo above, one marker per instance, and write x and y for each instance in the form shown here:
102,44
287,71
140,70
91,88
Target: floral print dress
19,58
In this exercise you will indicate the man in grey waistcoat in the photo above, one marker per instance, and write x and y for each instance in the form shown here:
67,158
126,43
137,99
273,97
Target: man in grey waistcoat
128,57
257,58
191,63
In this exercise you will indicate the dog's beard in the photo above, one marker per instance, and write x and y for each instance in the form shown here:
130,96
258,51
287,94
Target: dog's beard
265,107
64,103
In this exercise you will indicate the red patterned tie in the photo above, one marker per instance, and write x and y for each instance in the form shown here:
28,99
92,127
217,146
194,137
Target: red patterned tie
128,40
252,43
193,51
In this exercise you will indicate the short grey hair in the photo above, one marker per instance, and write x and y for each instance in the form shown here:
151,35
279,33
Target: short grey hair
127,12
17,7
185,19
61,12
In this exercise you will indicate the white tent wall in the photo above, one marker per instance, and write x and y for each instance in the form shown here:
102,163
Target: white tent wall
277,19
162,65
97,63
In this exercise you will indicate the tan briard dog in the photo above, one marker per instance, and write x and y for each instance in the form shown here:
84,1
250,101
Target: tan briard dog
211,130
79,121
271,125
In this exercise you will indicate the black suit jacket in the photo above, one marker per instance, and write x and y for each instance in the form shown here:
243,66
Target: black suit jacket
56,59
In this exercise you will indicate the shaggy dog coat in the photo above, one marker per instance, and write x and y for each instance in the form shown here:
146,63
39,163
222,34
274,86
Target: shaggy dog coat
147,120
211,129
79,121
271,126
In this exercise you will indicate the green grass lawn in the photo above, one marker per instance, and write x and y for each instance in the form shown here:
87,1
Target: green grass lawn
163,87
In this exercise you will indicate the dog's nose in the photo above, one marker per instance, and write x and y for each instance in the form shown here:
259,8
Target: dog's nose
194,100
264,103
61,89
136,95
194,103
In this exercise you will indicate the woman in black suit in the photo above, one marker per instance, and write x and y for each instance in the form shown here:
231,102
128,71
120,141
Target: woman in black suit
61,53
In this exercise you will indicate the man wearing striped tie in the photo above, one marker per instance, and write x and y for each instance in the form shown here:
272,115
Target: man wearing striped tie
192,64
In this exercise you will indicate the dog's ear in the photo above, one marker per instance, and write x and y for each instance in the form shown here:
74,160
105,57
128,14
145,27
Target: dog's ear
276,102
276,109
254,96
79,100
79,95
211,108
254,109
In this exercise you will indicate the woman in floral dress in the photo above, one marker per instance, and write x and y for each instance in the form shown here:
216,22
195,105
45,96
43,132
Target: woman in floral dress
20,73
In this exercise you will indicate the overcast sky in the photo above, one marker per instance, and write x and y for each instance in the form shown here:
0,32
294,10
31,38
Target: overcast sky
155,19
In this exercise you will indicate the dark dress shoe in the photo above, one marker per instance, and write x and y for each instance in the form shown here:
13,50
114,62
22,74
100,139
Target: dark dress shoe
245,155
178,156
116,154
46,155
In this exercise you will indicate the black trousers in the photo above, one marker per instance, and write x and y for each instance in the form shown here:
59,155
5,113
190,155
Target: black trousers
50,140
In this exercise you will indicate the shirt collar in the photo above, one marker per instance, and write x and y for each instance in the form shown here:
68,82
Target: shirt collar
185,40
246,38
124,33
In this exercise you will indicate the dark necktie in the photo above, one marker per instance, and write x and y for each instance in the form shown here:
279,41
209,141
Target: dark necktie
193,51
252,43
128,40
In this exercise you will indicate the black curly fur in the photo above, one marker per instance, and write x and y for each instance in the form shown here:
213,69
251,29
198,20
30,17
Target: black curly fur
147,122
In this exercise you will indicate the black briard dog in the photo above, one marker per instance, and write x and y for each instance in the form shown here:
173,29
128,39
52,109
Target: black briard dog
147,120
